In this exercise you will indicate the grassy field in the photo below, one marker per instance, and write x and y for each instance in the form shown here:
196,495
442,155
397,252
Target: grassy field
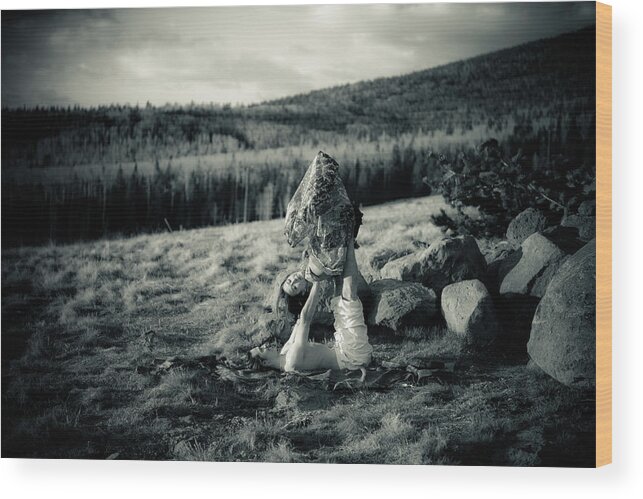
116,349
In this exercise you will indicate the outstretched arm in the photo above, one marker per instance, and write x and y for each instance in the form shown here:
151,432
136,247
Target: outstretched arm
310,307
296,355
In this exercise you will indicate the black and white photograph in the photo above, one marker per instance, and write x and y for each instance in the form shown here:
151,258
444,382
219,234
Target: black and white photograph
353,234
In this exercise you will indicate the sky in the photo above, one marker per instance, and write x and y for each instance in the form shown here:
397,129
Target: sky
243,55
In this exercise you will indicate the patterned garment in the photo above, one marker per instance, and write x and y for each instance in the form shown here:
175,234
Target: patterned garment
321,211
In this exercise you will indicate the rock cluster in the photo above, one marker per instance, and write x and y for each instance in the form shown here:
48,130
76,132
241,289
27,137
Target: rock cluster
444,262
536,290
448,276
557,267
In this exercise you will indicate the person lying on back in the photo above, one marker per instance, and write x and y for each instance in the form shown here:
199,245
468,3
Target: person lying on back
351,349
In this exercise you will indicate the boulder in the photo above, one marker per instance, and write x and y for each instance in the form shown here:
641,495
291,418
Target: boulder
403,269
398,304
468,310
538,253
524,225
446,261
563,331
381,257
498,269
586,225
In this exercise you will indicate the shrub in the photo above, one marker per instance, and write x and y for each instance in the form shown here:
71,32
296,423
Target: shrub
501,187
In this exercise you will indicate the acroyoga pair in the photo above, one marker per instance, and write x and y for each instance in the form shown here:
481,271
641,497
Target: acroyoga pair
321,213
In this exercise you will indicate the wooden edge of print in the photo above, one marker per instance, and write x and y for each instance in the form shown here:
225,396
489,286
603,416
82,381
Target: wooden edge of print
603,234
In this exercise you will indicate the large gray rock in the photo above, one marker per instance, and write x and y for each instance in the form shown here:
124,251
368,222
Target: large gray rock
531,273
498,269
586,225
563,332
524,225
446,261
381,257
468,310
398,304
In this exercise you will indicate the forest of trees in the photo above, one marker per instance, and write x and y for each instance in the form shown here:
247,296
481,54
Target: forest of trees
74,173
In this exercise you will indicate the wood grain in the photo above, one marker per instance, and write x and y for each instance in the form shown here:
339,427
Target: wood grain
603,234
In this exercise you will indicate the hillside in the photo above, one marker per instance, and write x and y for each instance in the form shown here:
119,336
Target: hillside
120,348
543,79
551,75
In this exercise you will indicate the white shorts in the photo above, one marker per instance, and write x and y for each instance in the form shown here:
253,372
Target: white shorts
351,336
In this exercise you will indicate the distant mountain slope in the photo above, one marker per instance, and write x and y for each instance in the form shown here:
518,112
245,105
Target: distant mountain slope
546,74
529,83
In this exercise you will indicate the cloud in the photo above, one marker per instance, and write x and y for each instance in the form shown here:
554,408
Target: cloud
248,54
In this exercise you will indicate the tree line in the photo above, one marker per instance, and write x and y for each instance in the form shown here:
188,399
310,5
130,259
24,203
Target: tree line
171,197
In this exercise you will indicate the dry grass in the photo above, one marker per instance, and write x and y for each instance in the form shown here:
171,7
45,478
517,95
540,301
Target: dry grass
80,321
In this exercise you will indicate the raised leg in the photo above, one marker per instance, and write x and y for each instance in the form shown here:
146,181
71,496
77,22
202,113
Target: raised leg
351,274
